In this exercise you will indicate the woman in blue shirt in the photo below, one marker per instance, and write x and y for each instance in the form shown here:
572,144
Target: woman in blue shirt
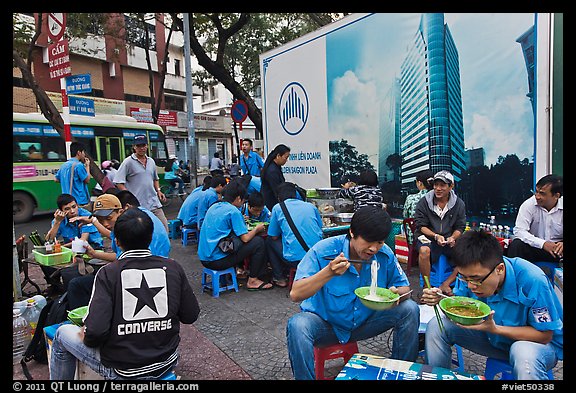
525,327
223,219
331,313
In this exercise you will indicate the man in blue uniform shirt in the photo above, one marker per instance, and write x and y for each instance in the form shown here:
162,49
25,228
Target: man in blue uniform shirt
250,162
209,197
284,249
525,326
331,313
188,212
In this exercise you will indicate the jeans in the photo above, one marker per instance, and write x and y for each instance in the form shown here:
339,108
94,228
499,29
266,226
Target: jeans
180,184
529,360
306,330
67,348
277,261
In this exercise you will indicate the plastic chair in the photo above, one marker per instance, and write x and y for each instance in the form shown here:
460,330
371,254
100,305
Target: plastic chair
459,361
187,233
409,224
496,366
335,351
548,268
217,282
291,275
174,228
439,272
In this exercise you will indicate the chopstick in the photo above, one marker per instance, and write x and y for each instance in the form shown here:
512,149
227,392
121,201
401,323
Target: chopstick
438,317
464,302
350,260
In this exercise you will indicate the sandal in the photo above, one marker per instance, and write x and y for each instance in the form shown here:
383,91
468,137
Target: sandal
280,283
261,287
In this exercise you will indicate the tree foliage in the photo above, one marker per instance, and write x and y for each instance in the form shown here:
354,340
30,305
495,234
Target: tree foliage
345,160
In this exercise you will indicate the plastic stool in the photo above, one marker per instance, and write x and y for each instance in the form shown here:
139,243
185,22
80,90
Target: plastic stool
170,377
186,232
495,366
291,275
174,228
548,268
216,276
439,272
321,354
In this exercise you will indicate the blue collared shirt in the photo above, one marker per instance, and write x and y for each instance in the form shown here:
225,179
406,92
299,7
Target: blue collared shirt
221,219
188,212
160,244
207,198
255,184
251,165
336,302
79,188
527,298
69,230
307,220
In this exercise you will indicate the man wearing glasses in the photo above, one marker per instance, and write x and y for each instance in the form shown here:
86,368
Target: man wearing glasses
525,326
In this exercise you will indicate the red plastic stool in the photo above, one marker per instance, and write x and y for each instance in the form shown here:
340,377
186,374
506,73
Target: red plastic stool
291,275
321,354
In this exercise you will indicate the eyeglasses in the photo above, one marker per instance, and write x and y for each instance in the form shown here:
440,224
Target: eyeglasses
475,282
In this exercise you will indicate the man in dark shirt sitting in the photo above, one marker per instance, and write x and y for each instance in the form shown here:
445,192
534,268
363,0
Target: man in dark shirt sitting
132,327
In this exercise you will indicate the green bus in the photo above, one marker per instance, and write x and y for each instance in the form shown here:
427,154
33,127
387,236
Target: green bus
39,151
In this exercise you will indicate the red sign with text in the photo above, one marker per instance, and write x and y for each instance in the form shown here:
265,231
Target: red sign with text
59,60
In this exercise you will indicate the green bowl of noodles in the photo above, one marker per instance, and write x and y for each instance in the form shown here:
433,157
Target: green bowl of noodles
464,314
383,300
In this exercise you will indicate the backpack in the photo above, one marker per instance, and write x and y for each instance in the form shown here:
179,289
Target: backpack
55,311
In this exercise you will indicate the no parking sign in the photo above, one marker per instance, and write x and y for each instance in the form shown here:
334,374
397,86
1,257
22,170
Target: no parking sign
239,111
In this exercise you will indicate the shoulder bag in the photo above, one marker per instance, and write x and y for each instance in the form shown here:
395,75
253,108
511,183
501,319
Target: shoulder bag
293,227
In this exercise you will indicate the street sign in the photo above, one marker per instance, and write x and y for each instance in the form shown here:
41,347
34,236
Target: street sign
59,60
56,25
239,111
77,84
81,106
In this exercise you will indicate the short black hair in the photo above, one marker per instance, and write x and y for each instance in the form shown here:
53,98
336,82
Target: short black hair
218,181
125,196
206,183
371,223
556,182
233,190
75,147
368,178
134,229
64,199
426,176
247,140
285,191
476,247
256,199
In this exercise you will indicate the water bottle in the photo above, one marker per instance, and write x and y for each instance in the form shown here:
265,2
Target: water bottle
31,315
40,303
21,336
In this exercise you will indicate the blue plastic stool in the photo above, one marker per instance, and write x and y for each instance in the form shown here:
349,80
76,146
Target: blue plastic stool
496,366
551,266
459,361
174,228
186,233
439,272
170,377
219,276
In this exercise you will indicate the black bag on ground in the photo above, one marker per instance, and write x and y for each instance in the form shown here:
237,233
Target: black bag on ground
55,311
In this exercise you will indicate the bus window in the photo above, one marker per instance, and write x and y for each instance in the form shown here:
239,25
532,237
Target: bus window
30,151
56,149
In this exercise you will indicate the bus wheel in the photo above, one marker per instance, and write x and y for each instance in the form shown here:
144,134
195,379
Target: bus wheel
22,207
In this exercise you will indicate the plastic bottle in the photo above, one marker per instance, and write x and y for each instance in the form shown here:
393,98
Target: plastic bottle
48,247
40,303
21,336
57,247
31,315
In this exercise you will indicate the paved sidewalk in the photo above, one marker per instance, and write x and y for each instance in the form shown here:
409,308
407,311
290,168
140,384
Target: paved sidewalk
241,336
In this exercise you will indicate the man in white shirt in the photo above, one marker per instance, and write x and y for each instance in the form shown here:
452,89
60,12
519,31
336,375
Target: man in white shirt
539,229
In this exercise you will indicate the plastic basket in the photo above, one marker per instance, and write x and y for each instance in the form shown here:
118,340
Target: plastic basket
57,258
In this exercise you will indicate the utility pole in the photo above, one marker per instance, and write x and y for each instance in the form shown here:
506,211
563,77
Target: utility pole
191,147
